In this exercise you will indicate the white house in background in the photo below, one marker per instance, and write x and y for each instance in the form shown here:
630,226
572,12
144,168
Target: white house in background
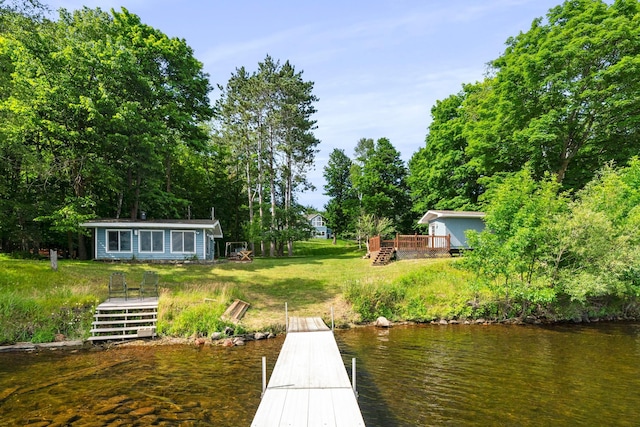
453,223
154,240
318,223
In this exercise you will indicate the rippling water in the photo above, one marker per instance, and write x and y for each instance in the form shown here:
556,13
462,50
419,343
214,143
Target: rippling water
407,376
498,375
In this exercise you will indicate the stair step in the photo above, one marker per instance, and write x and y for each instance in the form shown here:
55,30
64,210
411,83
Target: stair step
127,307
112,315
116,337
128,328
123,322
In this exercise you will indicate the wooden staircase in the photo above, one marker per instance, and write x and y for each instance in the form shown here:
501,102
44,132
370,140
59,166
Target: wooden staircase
120,319
384,256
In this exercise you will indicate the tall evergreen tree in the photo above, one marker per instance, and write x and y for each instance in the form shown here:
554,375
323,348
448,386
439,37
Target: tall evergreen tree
383,187
342,208
266,116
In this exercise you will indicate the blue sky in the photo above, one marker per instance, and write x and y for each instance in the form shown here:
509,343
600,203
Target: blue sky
378,65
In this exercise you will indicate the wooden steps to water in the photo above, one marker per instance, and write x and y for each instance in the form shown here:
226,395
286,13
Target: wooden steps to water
120,319
384,255
309,385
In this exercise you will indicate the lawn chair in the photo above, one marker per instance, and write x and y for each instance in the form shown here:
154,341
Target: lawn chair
149,284
117,286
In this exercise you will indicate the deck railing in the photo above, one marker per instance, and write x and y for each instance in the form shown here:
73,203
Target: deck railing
412,242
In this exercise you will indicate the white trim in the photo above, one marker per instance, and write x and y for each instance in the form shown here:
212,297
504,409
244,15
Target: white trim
95,243
195,243
150,224
118,230
151,251
432,214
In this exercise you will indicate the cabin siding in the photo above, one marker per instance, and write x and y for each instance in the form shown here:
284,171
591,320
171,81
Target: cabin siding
456,227
102,253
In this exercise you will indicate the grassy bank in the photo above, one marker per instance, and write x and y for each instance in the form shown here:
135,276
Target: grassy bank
37,303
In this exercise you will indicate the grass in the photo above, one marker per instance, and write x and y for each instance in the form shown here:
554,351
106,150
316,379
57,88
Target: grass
37,303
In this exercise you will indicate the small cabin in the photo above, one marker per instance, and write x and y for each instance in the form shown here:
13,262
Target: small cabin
154,240
321,231
454,224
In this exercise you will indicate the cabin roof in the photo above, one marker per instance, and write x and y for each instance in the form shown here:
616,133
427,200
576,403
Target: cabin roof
198,224
434,214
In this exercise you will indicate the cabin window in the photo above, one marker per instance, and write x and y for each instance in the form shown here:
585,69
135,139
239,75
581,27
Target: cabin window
151,241
183,241
118,240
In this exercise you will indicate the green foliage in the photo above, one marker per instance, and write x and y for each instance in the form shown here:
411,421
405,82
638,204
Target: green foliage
343,203
439,290
562,99
38,319
97,109
265,118
597,253
381,184
515,246
372,300
202,319
440,176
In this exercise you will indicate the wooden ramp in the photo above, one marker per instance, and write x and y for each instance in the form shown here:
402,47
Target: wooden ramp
236,311
309,385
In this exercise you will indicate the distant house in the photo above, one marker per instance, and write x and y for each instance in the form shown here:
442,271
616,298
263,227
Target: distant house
318,223
162,240
453,223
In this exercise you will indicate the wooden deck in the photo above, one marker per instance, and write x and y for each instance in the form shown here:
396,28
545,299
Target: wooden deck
309,385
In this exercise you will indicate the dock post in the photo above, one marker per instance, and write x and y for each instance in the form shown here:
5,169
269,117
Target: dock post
264,375
331,318
353,376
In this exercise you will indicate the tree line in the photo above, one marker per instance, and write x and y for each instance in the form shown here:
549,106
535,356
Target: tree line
546,145
562,100
105,116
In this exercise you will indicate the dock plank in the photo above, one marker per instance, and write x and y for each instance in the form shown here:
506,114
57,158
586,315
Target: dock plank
309,385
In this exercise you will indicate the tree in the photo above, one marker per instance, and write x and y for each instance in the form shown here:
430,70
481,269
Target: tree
97,108
381,183
513,252
343,203
440,175
563,96
368,225
266,116
597,254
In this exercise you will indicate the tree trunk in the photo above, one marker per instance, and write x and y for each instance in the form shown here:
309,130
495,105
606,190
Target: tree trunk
250,196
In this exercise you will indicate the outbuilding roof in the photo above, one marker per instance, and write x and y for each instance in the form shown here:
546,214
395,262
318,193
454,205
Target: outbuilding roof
433,214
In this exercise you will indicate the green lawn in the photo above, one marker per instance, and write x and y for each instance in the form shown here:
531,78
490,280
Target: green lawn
36,303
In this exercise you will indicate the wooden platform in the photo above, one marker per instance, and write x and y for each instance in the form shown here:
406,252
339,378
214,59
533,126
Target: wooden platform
309,385
236,311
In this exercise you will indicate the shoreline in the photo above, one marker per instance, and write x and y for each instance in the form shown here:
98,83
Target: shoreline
241,340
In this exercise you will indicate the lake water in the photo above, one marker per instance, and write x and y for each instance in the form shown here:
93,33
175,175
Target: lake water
451,375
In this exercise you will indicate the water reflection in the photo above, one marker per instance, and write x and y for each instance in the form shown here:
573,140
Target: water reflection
407,376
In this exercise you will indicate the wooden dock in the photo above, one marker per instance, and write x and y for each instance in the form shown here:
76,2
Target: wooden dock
309,385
